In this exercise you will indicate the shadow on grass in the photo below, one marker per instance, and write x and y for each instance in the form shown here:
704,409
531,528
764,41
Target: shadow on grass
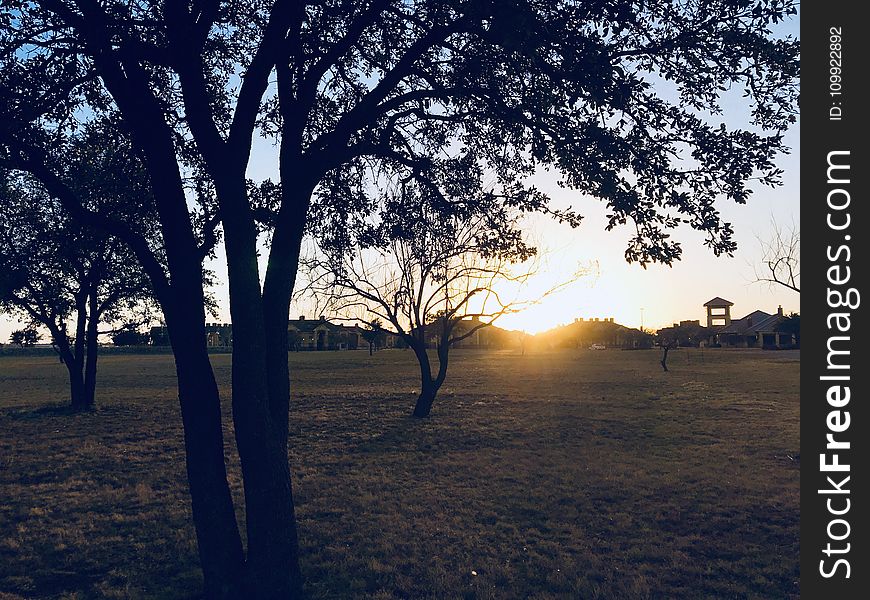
49,410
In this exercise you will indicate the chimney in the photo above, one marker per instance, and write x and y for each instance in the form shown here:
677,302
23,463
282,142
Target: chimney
322,317
779,310
301,317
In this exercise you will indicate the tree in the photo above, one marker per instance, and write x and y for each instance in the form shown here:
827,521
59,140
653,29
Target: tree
781,258
791,324
374,335
61,276
686,334
667,343
429,263
384,85
24,337
129,335
293,340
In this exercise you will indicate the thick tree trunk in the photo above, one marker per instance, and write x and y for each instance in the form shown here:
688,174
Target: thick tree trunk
72,363
261,407
220,545
182,299
76,385
273,548
74,357
428,386
423,406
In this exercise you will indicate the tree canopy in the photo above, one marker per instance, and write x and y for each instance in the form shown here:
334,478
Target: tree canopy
509,87
66,277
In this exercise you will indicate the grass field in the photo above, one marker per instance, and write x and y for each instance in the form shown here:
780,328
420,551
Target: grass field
565,474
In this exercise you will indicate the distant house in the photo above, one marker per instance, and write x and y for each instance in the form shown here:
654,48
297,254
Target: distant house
302,334
685,334
758,329
217,335
586,332
320,334
478,334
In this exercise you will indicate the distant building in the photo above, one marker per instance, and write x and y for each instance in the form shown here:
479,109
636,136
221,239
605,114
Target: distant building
718,312
473,333
685,333
758,329
320,334
217,335
302,334
588,332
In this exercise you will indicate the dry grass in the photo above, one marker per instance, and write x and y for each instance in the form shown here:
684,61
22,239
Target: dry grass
571,474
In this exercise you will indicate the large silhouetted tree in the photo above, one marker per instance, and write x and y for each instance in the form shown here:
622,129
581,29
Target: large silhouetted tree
395,86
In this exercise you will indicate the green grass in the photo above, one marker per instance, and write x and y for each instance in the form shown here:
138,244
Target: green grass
569,474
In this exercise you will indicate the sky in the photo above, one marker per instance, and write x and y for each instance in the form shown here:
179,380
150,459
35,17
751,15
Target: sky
653,297
656,296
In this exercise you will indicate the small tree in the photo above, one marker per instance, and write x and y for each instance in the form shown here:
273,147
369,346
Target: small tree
25,337
432,265
57,274
791,324
129,335
374,335
667,343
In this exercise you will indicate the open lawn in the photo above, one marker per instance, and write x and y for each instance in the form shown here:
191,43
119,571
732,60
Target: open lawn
564,474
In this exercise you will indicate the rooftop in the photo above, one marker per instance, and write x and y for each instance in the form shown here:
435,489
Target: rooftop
757,320
718,302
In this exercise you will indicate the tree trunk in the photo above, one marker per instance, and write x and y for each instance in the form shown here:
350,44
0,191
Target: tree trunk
428,386
74,357
76,384
220,545
273,548
91,350
423,406
664,360
183,303
261,390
